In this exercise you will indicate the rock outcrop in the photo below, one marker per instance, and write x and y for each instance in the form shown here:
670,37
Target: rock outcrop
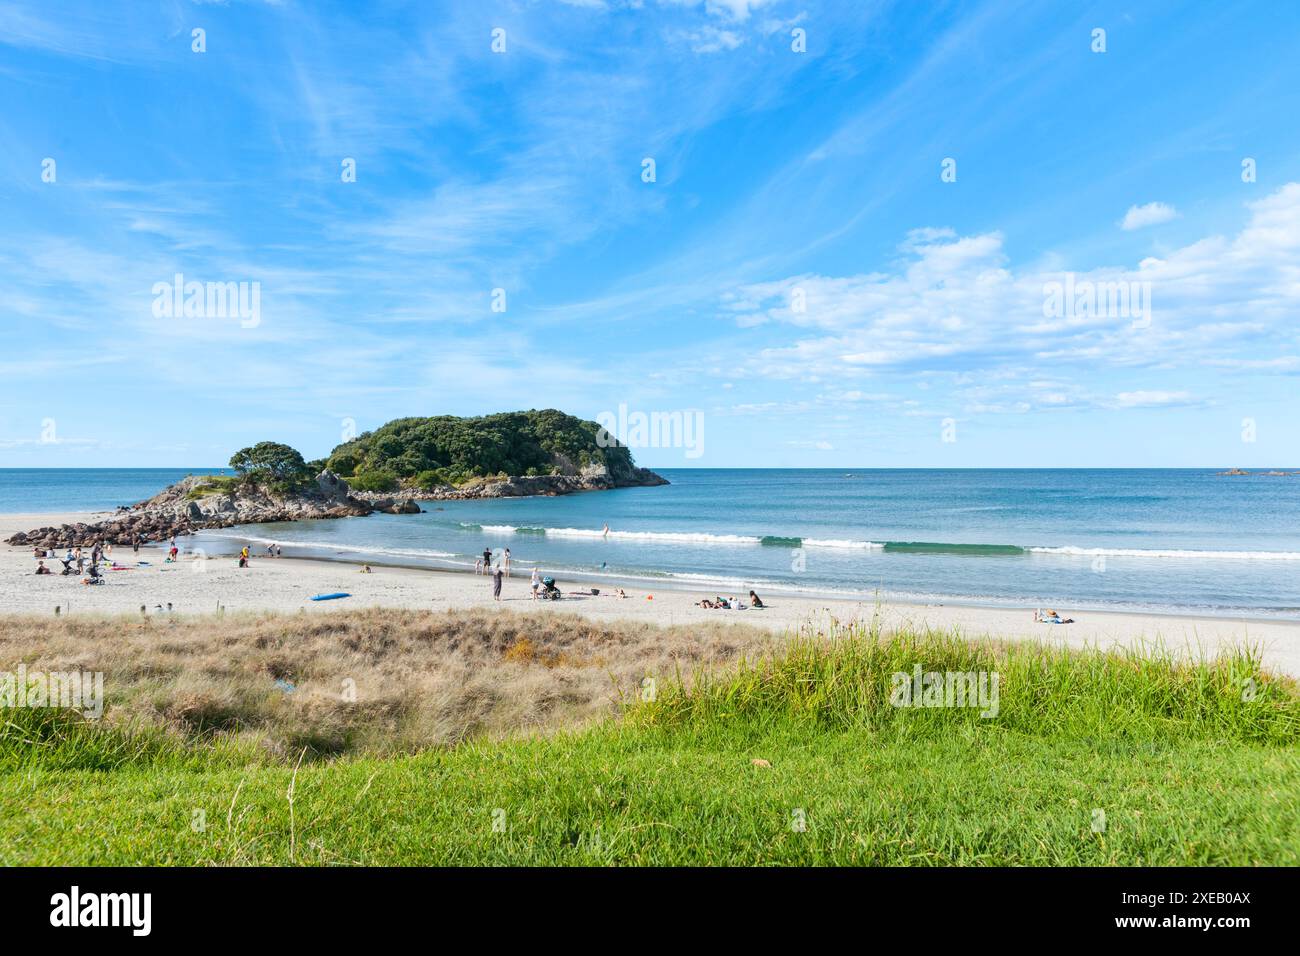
181,509
592,478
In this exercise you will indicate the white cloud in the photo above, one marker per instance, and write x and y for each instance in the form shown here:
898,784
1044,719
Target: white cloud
953,305
708,39
730,9
1152,214
1149,399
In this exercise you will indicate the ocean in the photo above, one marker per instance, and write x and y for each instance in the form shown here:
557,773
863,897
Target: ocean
41,490
1182,540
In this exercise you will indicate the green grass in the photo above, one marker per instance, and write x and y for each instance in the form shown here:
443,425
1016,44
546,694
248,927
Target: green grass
1187,769
215,485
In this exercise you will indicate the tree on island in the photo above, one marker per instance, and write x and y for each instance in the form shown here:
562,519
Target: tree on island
273,464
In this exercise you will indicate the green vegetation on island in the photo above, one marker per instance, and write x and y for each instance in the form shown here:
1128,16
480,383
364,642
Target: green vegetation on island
270,465
447,450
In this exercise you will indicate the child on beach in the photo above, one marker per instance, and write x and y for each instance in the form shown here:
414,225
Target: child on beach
42,569
496,584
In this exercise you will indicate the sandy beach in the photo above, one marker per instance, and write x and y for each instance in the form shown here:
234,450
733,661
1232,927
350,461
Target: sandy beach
195,586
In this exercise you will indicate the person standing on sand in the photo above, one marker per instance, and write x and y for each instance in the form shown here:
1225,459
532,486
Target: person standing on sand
534,583
507,562
496,584
135,543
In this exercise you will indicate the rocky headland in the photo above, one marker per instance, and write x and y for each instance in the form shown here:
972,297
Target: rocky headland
184,508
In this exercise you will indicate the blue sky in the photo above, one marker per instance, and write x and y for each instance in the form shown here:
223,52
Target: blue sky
798,273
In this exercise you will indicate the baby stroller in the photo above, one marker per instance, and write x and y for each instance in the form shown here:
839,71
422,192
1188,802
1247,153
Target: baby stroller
549,591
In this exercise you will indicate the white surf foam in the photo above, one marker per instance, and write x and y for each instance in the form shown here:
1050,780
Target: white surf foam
1172,553
841,543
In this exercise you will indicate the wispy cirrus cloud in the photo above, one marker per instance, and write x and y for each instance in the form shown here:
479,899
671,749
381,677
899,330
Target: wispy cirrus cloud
777,171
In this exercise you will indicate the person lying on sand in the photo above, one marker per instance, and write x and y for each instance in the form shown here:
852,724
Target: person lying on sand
1052,617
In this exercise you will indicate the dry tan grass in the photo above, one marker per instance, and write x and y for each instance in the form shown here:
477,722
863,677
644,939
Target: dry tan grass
420,678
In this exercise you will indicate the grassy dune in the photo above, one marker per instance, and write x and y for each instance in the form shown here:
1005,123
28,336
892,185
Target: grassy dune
741,753
419,679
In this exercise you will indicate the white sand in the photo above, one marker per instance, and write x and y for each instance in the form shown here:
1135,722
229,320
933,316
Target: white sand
197,587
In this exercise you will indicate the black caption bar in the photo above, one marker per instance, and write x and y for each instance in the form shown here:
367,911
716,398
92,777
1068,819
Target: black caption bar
335,906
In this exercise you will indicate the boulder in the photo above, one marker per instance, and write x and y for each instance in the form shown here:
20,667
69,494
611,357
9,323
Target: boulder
332,487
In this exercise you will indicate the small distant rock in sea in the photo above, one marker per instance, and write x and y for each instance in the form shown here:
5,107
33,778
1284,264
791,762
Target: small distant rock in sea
1266,474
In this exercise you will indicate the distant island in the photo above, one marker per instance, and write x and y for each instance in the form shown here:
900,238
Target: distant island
511,454
1238,472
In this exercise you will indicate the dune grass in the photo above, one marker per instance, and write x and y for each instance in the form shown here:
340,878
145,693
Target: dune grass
791,755
844,679
415,679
